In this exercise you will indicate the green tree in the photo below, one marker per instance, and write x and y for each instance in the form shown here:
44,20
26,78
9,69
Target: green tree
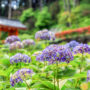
43,19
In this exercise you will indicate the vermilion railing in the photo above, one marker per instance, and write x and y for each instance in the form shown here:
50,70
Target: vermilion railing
83,30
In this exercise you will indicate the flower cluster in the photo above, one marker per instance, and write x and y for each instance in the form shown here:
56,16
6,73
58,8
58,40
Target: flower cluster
44,35
55,53
52,35
71,32
16,45
20,76
20,58
82,48
28,42
88,75
72,44
12,39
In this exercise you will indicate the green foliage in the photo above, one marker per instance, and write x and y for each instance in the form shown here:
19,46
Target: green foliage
38,19
73,18
78,17
43,19
26,15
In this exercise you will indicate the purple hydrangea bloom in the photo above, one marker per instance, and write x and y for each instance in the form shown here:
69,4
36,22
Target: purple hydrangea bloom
20,58
44,35
15,45
82,48
28,42
20,75
12,39
72,44
88,75
52,35
38,35
55,53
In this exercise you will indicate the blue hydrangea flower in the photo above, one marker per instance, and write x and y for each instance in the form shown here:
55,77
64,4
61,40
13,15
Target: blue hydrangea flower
88,75
28,42
82,48
55,53
44,35
11,39
72,44
15,45
20,75
20,58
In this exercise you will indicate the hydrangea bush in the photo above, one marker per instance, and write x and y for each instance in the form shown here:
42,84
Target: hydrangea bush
11,39
82,48
15,45
54,53
20,58
72,44
20,76
28,42
45,35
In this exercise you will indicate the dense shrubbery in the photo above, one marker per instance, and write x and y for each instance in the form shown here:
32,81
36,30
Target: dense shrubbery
36,19
56,17
43,19
28,17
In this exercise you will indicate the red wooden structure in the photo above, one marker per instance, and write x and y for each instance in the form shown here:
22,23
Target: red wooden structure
11,26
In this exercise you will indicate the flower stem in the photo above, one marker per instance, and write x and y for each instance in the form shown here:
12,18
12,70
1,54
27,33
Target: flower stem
57,74
27,84
82,59
54,78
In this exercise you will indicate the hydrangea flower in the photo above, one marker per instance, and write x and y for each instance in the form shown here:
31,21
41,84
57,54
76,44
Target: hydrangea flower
72,44
12,39
20,76
52,35
16,45
82,48
28,42
38,35
55,53
44,35
88,75
20,58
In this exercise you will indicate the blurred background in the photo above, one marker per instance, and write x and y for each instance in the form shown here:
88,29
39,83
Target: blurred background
55,15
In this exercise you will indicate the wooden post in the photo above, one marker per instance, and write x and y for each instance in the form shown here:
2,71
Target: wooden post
16,33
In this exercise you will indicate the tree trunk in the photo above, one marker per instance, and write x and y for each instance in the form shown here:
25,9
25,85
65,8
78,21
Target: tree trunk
69,10
69,6
0,7
9,9
41,4
65,5
30,3
76,3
